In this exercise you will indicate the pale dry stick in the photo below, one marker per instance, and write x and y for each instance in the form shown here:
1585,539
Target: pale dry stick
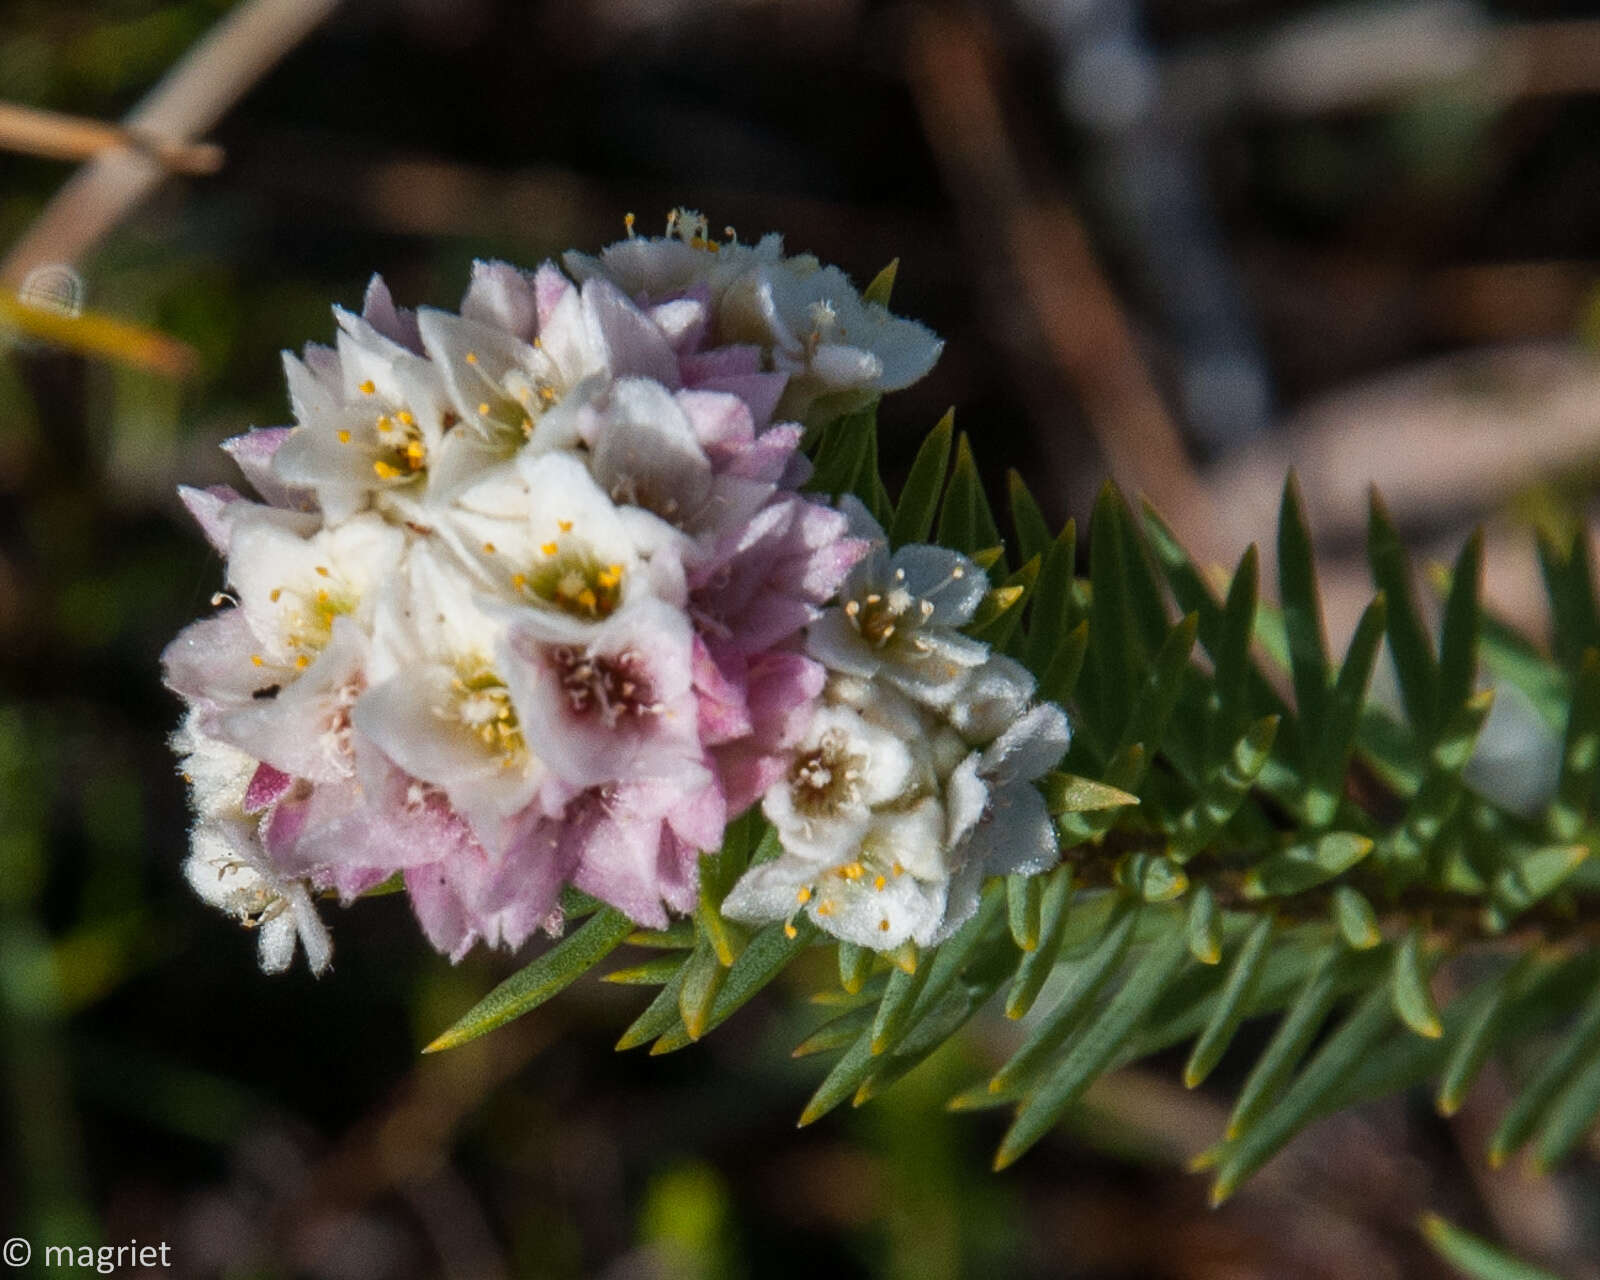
189,100
54,135
1083,326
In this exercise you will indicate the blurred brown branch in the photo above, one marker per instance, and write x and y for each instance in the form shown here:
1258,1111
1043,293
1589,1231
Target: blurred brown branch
55,135
189,100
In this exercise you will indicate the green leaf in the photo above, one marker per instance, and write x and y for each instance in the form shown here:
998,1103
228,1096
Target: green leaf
919,500
1534,875
1085,978
1229,646
1471,1049
1024,898
1153,708
1474,1257
1310,1095
1033,532
1302,613
1068,793
894,1010
1337,734
1533,1103
1205,927
877,293
1037,965
855,963
1288,1044
1231,1004
655,972
1224,791
659,1016
1357,921
1117,656
1053,612
1304,866
837,1032
1458,636
1153,878
965,522
1580,753
1569,580
1570,1118
702,978
764,959
1000,611
1414,664
531,986
1408,984
1094,1048
845,1077
1066,664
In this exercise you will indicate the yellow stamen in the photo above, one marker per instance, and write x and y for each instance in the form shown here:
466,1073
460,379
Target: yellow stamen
549,548
803,897
302,662
322,571
472,357
405,418
518,581
789,931
879,882
489,547
564,525
483,407
367,387
276,592
344,437
385,471
255,658
385,423
588,599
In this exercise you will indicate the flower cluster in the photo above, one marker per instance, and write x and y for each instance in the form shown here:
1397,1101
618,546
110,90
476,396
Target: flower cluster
914,782
530,596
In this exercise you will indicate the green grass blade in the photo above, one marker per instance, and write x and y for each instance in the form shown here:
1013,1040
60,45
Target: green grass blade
1231,1005
531,986
919,499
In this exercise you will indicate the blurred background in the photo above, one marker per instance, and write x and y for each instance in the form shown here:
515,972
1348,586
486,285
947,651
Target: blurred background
1186,243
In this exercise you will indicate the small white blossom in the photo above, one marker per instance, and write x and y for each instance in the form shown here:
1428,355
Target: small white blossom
898,615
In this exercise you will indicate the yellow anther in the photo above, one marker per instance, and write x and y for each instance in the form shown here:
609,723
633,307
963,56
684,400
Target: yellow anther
518,581
549,548
898,869
803,897
547,394
483,407
627,221
958,572
527,426
824,908
384,470
344,437
883,926
322,571
472,357
385,423
302,662
489,547
852,870
322,597
367,387
789,931
276,592
255,659
564,525
415,452
588,599
405,418
879,882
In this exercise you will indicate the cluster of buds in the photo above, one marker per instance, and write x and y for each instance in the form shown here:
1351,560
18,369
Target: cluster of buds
530,596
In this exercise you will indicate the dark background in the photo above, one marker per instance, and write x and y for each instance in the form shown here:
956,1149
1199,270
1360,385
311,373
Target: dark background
1187,243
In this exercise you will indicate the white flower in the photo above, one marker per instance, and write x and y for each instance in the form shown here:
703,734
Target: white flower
898,615
843,768
438,703
998,819
226,865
